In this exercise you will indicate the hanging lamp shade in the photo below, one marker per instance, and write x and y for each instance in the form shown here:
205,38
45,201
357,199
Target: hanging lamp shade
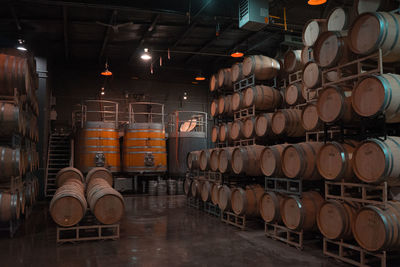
237,54
316,2
106,72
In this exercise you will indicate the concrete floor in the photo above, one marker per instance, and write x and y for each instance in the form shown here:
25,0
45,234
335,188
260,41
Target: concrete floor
156,231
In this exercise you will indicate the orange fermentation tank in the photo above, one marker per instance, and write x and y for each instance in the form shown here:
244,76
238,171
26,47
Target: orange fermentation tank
144,146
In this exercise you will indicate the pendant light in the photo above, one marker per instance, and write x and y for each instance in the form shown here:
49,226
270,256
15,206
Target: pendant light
106,72
316,2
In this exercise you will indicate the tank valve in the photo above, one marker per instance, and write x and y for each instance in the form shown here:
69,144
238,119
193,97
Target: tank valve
149,159
100,160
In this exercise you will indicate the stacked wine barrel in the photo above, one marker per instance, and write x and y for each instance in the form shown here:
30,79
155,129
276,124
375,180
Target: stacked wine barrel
76,194
18,134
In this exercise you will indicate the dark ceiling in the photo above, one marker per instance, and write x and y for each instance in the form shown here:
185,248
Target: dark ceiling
71,32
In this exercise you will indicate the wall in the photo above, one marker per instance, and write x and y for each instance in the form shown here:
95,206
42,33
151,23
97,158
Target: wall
73,85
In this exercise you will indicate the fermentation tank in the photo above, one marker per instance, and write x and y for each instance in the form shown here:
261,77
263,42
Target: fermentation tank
187,131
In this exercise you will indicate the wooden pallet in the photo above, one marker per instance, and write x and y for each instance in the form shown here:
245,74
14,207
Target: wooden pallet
195,203
285,235
245,142
244,84
15,184
233,219
319,136
87,232
245,113
284,185
353,254
357,192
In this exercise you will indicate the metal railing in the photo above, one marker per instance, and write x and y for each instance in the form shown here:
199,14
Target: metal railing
95,110
146,112
196,121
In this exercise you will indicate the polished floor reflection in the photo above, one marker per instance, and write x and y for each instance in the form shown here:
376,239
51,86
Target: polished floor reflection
156,231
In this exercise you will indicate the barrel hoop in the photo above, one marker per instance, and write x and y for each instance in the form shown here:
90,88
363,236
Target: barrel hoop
398,145
396,31
130,147
382,32
146,131
398,83
343,156
100,146
314,153
101,138
146,167
105,152
383,146
302,215
253,64
100,130
145,152
388,93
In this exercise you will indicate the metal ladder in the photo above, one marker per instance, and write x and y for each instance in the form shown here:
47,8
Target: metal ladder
58,157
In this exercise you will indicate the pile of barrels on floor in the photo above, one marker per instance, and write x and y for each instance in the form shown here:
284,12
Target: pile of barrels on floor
75,195
164,187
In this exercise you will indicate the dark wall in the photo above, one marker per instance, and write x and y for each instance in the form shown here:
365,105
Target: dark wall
73,84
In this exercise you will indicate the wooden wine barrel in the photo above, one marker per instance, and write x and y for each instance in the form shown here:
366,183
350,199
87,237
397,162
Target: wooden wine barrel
293,94
310,119
270,207
224,198
195,188
187,186
11,163
22,201
338,19
101,173
204,159
14,74
375,161
237,101
224,105
334,104
67,174
263,68
301,213
307,55
193,160
214,108
214,83
331,49
224,132
237,72
271,160
214,159
9,206
225,78
287,122
299,160
236,132
248,129
334,160
292,61
206,191
262,97
364,6
376,94
68,205
312,30
263,125
376,228
246,201
214,193
246,160
11,119
215,134
335,219
225,159
312,75
371,31
106,203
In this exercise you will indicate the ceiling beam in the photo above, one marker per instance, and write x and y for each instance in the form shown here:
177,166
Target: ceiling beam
107,35
15,17
65,18
145,35
210,42
192,24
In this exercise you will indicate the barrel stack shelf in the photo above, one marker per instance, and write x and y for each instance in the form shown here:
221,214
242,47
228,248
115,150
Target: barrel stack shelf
18,138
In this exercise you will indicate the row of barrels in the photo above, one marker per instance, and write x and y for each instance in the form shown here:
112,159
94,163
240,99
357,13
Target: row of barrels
262,97
16,162
14,204
372,160
15,120
75,194
335,219
18,72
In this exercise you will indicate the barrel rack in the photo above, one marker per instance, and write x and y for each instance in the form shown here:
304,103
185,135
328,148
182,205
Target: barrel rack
88,229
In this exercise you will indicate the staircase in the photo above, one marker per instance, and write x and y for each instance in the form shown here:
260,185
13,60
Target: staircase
59,156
